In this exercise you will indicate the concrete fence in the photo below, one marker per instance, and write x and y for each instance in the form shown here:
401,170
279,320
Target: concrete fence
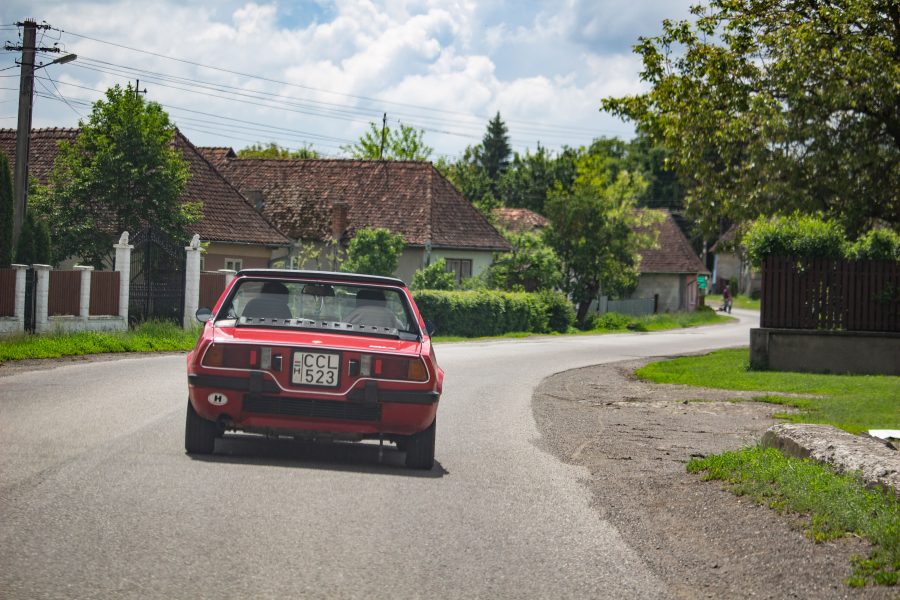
85,300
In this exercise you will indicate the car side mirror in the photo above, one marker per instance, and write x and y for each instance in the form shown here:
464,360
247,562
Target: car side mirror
430,328
203,314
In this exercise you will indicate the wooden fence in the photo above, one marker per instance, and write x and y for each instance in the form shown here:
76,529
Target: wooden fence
7,292
65,293
104,293
848,295
211,286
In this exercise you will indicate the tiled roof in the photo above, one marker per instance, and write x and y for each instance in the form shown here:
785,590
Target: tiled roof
409,198
216,154
227,216
42,152
520,219
725,243
673,252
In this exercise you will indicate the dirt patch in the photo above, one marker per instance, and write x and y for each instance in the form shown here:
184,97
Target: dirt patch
635,438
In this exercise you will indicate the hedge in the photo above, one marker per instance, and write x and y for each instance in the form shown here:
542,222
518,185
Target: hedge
489,312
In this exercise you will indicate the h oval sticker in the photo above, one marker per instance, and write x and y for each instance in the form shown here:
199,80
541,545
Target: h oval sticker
217,399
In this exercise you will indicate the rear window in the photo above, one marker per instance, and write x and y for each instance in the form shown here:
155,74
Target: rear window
320,302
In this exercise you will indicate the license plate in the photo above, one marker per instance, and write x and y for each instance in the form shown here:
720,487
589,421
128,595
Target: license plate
316,368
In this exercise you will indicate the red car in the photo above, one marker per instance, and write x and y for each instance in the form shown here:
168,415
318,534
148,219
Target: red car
315,355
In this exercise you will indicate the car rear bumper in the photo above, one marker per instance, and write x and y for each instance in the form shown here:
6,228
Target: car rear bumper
244,404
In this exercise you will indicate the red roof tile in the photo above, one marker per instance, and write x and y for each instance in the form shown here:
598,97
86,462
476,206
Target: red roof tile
673,253
520,219
409,198
227,216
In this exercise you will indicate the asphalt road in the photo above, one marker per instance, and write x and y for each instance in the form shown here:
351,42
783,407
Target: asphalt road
98,499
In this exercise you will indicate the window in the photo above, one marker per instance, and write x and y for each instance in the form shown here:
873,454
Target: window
234,264
202,262
460,267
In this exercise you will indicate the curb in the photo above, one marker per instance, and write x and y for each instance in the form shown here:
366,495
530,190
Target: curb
877,463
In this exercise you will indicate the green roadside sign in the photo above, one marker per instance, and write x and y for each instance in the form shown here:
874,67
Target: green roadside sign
701,281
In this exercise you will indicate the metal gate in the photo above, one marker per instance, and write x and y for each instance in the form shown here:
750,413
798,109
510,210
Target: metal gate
30,299
157,277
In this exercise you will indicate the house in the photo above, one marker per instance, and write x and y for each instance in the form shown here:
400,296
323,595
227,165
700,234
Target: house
730,263
315,202
667,273
238,236
518,220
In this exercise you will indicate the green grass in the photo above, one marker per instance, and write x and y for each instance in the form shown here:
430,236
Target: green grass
153,336
714,301
616,323
835,504
854,403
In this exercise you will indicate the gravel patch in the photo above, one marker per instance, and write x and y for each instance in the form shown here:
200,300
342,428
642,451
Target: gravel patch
634,439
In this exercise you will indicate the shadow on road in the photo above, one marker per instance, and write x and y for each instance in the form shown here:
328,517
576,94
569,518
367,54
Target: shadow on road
333,456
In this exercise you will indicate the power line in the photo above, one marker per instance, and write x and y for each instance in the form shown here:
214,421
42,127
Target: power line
482,118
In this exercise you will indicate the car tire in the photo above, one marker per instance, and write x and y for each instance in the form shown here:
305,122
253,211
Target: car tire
199,434
420,448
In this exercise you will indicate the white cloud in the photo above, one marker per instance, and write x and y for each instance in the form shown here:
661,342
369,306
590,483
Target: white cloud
545,67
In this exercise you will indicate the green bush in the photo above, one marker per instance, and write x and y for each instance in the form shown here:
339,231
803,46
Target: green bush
610,321
877,244
434,277
806,236
560,312
479,313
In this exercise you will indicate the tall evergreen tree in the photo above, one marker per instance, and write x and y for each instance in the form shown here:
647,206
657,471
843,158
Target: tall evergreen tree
6,212
495,149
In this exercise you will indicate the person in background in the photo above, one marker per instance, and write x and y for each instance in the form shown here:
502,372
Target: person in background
726,299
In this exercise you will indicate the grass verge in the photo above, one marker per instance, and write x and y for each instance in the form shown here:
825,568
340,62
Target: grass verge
153,336
836,505
854,403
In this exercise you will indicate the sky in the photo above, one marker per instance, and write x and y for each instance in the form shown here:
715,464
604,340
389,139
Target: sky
316,73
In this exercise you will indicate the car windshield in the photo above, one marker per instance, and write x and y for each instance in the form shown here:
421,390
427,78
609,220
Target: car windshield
320,302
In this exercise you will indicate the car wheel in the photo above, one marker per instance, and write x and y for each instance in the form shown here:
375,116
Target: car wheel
199,434
420,448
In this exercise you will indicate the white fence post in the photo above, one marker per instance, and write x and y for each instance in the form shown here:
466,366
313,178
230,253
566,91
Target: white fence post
84,305
19,310
229,275
42,298
191,281
123,266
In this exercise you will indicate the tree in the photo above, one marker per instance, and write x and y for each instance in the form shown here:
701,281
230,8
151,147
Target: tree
495,149
273,150
407,143
468,176
772,106
593,229
652,161
434,277
531,176
374,251
6,212
121,173
531,266
34,241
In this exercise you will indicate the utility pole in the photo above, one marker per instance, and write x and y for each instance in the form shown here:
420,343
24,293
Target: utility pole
23,133
383,136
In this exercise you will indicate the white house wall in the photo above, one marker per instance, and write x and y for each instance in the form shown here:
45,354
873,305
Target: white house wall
667,285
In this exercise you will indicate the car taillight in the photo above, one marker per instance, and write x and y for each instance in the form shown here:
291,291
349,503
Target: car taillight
232,356
388,367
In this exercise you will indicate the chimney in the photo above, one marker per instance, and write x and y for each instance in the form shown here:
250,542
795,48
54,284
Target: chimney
338,221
